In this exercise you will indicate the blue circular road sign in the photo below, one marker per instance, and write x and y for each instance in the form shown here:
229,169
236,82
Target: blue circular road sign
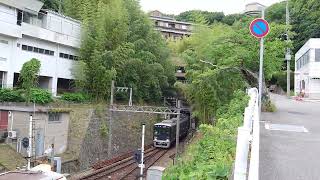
259,28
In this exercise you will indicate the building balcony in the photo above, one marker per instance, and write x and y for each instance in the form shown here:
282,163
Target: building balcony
49,35
173,28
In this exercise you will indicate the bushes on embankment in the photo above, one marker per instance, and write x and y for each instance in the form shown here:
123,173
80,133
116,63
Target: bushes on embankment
213,155
39,96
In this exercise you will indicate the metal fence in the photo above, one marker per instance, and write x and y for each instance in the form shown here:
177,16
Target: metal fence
247,166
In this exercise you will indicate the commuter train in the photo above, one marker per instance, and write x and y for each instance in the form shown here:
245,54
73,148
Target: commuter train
165,132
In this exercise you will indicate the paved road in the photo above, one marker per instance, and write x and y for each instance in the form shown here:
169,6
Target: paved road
291,155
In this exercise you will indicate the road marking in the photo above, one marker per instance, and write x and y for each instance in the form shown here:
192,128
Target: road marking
285,127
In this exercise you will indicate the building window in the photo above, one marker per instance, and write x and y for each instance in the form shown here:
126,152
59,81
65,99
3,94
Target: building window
37,50
1,79
303,60
184,27
41,51
68,56
24,47
4,41
19,17
30,48
54,117
317,59
172,25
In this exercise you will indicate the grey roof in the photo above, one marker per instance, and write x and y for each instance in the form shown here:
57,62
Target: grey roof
30,6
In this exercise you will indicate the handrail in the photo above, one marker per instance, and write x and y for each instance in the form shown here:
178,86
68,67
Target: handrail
248,138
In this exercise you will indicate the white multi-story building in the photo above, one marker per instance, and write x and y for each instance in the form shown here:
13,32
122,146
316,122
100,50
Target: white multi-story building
27,32
254,9
307,69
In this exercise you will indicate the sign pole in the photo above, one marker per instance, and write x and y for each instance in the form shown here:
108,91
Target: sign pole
261,70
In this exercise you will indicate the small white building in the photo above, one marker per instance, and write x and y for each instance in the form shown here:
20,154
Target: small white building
29,32
307,69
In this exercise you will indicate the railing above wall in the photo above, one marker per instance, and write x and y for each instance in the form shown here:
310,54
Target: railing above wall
248,138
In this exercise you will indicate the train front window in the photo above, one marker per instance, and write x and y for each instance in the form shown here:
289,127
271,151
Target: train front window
162,132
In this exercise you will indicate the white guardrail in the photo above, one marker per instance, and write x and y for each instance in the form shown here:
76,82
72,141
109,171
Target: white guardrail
249,139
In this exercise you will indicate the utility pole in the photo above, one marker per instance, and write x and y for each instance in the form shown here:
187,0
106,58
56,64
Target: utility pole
178,131
110,120
141,165
288,53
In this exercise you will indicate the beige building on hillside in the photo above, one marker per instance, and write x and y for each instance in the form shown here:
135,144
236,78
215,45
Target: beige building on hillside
169,27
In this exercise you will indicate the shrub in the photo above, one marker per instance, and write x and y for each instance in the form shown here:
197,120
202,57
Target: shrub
103,129
11,95
269,107
29,76
75,97
40,96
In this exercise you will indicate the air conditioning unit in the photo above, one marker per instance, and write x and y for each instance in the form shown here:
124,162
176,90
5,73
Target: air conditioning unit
12,134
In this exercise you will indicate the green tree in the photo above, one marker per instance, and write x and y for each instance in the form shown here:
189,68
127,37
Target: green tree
210,17
121,44
305,21
230,19
276,13
52,4
234,56
29,76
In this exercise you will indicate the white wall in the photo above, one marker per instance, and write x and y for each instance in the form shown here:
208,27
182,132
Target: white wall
8,21
52,66
308,71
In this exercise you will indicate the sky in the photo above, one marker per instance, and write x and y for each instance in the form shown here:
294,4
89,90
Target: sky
178,6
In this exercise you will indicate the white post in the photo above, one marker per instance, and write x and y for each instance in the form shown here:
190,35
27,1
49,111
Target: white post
11,116
177,132
142,152
30,143
130,98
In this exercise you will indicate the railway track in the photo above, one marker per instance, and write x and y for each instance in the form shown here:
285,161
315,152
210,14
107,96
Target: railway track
126,168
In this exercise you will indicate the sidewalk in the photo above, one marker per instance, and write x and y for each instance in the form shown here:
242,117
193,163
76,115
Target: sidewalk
290,141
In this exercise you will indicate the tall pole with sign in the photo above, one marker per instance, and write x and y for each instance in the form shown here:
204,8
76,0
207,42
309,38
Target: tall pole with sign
259,28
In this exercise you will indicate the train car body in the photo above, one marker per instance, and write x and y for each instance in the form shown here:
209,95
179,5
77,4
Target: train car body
165,131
